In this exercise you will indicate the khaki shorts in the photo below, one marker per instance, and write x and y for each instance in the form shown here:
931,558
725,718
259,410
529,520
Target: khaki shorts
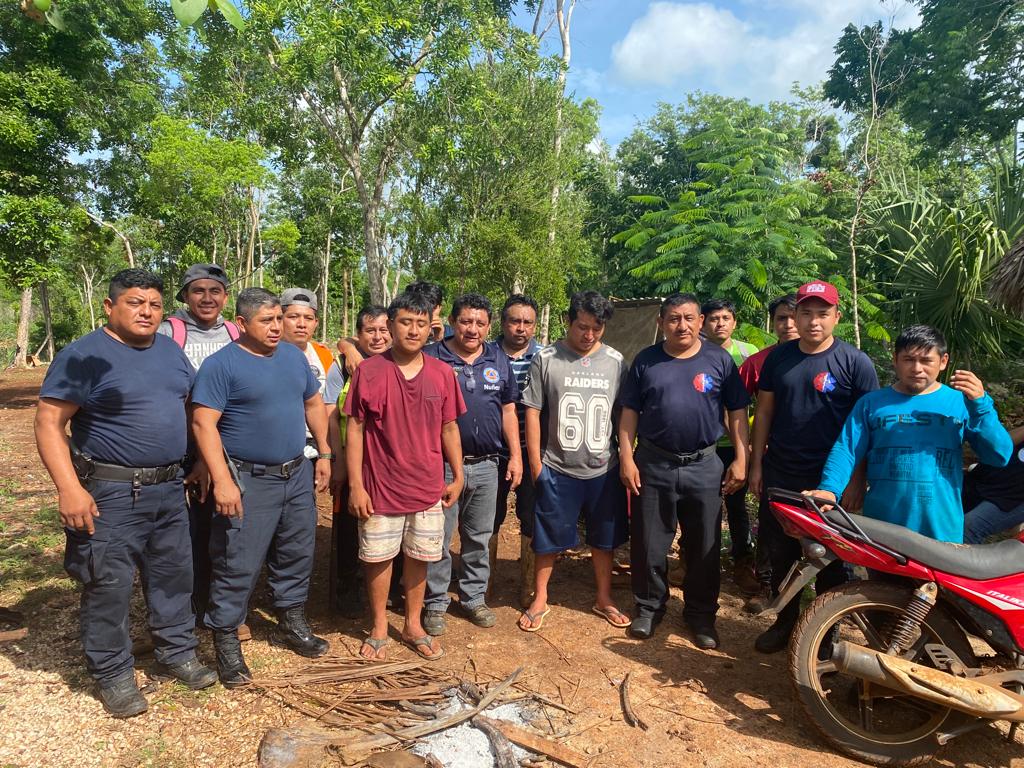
418,534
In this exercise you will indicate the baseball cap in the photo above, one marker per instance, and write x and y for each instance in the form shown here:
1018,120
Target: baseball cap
201,272
300,296
818,289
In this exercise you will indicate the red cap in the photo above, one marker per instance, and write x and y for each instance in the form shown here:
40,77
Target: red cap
818,289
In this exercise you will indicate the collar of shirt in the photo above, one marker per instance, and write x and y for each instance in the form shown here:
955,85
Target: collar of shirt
531,349
489,354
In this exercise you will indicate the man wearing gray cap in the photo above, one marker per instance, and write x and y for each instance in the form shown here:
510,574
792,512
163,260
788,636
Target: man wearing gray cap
301,320
199,328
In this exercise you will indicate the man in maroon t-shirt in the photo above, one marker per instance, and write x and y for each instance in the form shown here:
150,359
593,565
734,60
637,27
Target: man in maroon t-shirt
782,312
402,407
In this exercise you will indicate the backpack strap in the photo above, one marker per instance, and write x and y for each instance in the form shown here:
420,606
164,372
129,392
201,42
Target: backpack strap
179,333
232,329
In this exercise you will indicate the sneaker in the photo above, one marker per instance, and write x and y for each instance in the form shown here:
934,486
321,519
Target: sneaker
775,638
743,575
481,616
192,674
434,622
122,697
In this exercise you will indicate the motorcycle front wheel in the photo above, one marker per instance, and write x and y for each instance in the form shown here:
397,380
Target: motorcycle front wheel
858,717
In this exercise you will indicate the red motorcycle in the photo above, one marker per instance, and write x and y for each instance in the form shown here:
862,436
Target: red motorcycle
884,668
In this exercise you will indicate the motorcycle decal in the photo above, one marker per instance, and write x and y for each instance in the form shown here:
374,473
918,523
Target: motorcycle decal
1000,600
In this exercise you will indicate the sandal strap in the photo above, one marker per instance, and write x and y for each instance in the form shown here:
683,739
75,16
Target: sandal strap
375,642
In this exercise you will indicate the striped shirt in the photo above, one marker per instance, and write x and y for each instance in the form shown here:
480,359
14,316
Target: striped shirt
521,369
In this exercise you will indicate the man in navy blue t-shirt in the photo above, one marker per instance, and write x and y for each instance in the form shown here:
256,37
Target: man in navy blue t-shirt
123,389
807,389
487,428
251,401
672,405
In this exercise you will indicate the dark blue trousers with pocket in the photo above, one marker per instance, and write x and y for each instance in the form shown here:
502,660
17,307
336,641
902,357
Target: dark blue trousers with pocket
148,532
278,525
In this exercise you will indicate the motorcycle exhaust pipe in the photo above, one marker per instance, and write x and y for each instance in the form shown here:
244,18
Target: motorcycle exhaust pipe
968,695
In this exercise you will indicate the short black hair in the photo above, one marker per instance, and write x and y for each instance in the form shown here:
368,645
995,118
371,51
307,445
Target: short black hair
677,299
133,278
714,305
922,337
789,300
251,300
470,301
411,301
593,303
369,312
518,300
433,291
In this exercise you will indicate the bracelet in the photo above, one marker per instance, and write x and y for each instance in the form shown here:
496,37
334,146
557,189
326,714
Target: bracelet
325,456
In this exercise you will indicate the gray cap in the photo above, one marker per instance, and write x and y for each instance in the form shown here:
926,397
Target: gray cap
201,272
300,296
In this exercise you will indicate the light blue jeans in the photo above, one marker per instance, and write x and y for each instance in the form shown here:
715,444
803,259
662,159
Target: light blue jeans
473,513
987,519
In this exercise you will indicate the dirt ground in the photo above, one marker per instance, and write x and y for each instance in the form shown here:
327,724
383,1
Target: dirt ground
729,708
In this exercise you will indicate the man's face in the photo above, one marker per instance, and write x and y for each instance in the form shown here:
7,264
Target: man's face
784,324
917,369
584,333
719,325
519,325
409,331
135,314
205,299
681,325
264,329
374,336
815,320
299,324
471,328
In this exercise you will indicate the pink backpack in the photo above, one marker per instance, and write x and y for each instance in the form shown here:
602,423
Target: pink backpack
179,331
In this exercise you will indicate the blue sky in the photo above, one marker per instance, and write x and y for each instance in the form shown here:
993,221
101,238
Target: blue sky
631,54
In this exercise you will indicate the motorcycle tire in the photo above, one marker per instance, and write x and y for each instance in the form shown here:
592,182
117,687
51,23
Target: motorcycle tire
911,725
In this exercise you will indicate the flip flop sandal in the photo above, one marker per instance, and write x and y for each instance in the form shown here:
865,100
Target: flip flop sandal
426,641
536,619
610,614
376,643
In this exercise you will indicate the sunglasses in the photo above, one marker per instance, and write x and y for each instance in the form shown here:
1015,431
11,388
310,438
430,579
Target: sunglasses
467,371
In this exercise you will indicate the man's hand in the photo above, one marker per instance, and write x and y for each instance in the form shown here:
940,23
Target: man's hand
199,477
359,504
630,474
451,492
227,499
968,383
77,510
339,475
755,479
535,471
735,476
819,494
514,473
322,474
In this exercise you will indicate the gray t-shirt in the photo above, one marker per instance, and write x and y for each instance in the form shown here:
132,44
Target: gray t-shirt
575,396
200,343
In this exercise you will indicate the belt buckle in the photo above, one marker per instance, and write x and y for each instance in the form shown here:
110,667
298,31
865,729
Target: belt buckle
286,470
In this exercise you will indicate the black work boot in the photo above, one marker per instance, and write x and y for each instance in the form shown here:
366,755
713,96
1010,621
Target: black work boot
122,698
192,673
775,638
231,667
292,631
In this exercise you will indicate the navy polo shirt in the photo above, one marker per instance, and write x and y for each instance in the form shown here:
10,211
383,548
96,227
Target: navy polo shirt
680,400
487,384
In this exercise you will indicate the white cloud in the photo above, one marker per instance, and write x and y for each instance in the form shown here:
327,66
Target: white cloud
757,54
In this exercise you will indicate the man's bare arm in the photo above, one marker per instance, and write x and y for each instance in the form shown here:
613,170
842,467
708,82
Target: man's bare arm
76,505
226,494
763,414
451,444
510,429
533,453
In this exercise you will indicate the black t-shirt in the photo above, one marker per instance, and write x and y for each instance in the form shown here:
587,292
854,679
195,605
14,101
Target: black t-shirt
1003,486
813,396
680,401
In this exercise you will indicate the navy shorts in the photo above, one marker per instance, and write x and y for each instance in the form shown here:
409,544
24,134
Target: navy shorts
562,498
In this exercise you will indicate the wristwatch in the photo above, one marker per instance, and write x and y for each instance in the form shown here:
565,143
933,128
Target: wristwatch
325,456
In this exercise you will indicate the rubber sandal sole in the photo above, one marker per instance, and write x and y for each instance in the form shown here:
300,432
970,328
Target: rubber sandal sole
607,616
536,619
425,641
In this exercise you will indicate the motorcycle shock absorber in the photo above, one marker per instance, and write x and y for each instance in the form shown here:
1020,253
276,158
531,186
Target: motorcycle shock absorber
906,627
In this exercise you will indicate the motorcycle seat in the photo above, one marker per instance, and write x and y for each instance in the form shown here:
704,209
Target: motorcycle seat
972,561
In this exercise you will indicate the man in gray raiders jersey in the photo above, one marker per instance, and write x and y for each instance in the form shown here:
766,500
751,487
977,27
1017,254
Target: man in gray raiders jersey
199,328
573,387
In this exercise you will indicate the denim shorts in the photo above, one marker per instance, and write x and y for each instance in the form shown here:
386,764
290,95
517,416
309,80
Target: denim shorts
561,499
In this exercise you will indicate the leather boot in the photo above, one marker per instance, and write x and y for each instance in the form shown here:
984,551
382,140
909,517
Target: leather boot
293,632
231,667
122,698
526,575
191,673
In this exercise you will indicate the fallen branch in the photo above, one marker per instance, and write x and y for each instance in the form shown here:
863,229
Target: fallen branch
627,708
500,745
531,741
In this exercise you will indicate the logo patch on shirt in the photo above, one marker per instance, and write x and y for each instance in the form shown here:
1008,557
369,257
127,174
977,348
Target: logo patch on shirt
825,382
703,382
585,362
490,375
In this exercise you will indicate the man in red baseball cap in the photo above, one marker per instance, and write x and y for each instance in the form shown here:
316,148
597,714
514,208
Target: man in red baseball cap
808,387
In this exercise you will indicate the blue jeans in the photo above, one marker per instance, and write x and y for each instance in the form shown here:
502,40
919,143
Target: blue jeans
473,513
987,519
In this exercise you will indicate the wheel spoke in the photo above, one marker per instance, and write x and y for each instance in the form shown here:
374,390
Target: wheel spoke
866,706
875,640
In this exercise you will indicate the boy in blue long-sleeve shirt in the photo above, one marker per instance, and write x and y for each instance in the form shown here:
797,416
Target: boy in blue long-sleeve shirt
912,434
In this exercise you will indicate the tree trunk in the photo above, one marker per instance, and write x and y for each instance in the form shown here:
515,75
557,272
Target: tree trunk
87,278
344,302
564,19
44,302
325,277
545,324
24,326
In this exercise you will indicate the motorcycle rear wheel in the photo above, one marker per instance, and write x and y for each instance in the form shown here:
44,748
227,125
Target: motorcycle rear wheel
856,717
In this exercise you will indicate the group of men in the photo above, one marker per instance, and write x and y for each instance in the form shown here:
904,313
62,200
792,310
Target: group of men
422,428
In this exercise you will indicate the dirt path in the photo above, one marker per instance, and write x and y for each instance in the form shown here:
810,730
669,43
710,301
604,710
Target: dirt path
728,708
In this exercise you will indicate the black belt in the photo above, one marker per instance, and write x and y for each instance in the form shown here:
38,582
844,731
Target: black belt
680,458
278,470
479,459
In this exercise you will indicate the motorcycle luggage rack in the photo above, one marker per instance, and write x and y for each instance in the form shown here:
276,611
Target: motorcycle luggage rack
851,528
